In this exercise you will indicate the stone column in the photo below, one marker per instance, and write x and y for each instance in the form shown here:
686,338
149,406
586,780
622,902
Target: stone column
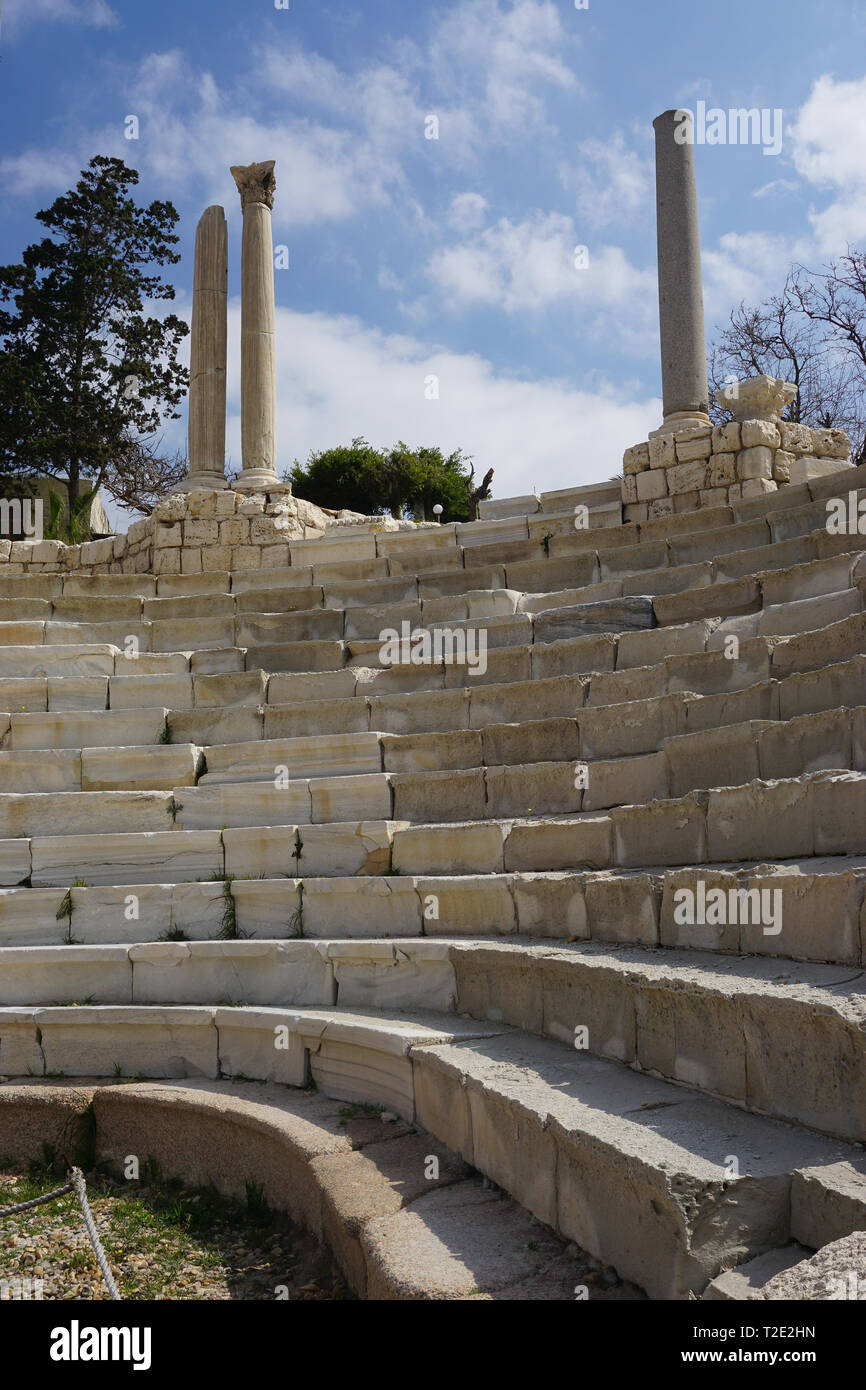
681,304
207,355
256,185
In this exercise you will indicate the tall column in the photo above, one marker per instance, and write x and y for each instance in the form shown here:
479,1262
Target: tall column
207,355
681,304
256,185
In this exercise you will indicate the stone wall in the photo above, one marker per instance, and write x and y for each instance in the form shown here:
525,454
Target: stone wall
196,532
711,466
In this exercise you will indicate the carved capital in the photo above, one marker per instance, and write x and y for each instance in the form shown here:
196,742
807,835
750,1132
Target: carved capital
256,182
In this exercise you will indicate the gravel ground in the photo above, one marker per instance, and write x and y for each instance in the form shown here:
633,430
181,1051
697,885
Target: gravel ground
162,1241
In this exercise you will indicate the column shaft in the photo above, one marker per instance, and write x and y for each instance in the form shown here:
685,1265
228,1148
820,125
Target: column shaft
207,356
681,305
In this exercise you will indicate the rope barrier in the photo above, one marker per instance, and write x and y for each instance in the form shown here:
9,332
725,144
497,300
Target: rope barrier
77,1185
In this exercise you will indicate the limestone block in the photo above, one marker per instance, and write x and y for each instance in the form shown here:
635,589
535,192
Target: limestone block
28,917
310,686
261,851
583,843
537,741
467,905
115,914
538,788
660,507
14,862
795,438
636,459
129,1041
687,501
827,688
139,769
782,464
145,692
651,484
574,656
549,904
216,558
819,911
621,730
754,487
370,906
65,974
830,443
808,614
204,726
665,832
270,909
755,462
190,561
362,797
689,450
722,469
662,452
623,907
722,757
712,673
637,683
186,634
247,1046
696,935
439,796
22,1053
626,781
810,650
24,695
438,710
211,806
726,438
331,755
126,858
838,812
106,729
635,512
759,820
449,849
755,433
262,972
45,770
675,639
77,693
583,619
346,849
828,1202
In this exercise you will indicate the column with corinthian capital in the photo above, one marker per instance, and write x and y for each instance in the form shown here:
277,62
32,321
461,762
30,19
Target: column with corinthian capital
256,185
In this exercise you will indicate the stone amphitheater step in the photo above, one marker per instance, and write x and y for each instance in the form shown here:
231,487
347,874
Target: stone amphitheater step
651,1177
818,813
787,1044
816,917
364,1185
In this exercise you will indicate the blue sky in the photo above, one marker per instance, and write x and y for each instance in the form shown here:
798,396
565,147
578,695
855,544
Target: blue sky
453,256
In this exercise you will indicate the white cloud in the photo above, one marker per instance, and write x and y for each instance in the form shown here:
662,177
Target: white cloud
529,266
95,14
611,180
827,142
466,212
516,52
776,187
338,378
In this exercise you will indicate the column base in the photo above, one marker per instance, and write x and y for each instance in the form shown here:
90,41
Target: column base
259,480
209,480
680,420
